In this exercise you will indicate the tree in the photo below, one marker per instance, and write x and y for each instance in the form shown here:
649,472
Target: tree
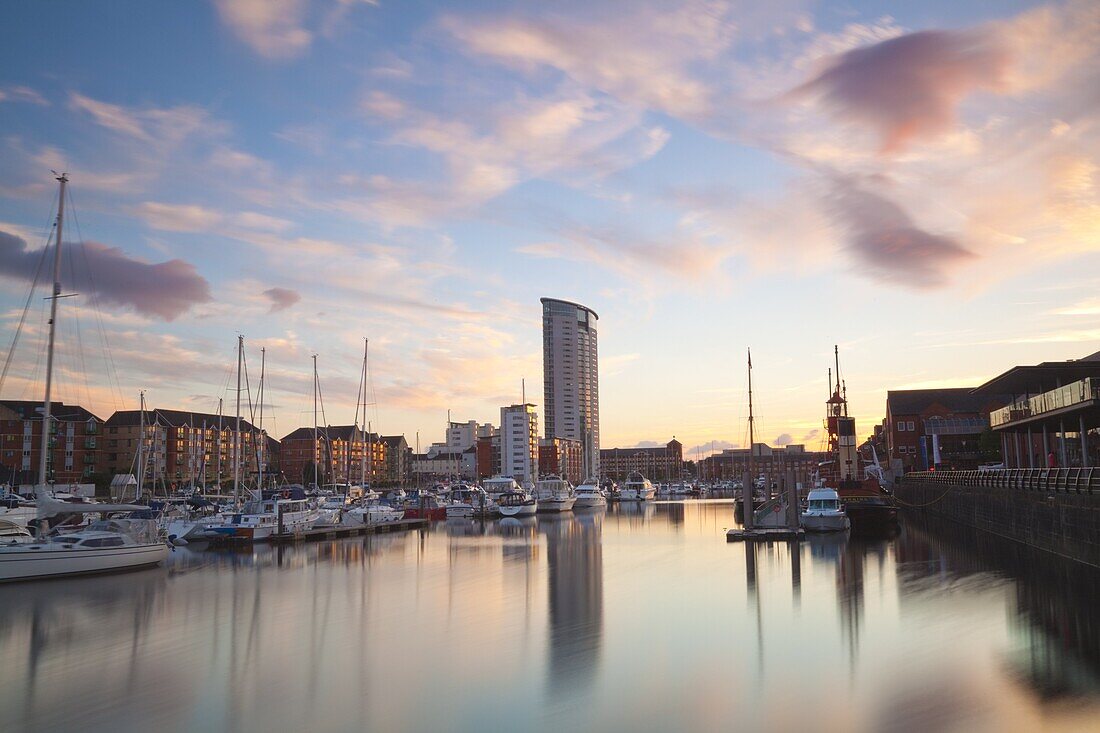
989,446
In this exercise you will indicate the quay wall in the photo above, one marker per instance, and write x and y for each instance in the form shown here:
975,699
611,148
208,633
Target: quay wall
1041,509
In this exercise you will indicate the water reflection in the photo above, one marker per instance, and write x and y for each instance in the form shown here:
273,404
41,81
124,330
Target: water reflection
574,558
638,618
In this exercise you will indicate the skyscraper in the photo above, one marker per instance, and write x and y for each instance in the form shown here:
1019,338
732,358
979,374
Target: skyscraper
571,377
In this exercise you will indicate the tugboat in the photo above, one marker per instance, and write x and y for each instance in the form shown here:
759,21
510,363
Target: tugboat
871,508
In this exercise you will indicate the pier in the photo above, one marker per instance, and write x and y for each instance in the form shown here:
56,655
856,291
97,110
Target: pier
1056,510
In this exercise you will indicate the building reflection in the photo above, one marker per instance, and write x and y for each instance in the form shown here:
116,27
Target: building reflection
574,557
1054,613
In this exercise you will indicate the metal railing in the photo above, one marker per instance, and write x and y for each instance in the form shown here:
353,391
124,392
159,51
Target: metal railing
1064,480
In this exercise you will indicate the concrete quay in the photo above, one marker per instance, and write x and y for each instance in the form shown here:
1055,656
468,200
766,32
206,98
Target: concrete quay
1055,510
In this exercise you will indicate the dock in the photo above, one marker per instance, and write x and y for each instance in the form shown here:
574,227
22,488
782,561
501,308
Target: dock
764,534
334,532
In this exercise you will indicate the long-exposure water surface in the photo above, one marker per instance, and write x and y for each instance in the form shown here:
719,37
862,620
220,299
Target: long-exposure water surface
639,619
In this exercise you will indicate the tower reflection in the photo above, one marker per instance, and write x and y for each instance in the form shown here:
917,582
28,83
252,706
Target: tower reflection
574,556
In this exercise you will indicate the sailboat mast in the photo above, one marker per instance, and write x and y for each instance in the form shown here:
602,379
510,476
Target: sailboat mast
752,450
316,457
363,399
218,467
237,430
42,462
262,439
141,444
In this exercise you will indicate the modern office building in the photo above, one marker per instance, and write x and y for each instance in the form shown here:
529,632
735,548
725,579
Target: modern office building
519,442
571,382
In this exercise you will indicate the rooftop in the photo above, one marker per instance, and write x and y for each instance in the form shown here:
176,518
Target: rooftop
1042,377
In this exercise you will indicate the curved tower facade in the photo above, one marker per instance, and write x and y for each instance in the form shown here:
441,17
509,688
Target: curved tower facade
571,384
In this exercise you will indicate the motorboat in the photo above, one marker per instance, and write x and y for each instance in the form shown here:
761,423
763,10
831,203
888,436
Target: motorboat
107,545
259,518
589,494
681,489
517,503
555,494
823,512
637,488
369,512
424,504
466,501
498,485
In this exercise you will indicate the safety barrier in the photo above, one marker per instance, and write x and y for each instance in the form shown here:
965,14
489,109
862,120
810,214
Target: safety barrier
1058,480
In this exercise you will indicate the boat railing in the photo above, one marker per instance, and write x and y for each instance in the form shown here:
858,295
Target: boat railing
1047,480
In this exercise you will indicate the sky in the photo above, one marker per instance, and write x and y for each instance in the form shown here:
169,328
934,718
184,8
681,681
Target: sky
916,182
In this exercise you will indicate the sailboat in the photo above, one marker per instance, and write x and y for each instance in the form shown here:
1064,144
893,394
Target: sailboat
260,517
105,546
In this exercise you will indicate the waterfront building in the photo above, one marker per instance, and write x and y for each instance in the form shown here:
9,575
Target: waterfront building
488,456
563,457
465,434
74,445
178,446
398,458
771,461
343,453
937,427
1052,412
659,463
519,442
571,384
442,463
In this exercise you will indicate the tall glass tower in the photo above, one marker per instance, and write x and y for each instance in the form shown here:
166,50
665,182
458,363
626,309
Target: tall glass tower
571,383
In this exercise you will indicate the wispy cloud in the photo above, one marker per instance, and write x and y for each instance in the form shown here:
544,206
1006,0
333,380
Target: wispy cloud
165,290
282,298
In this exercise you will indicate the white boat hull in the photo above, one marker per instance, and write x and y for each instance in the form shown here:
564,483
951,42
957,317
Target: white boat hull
524,510
589,502
356,518
637,494
555,504
28,564
825,522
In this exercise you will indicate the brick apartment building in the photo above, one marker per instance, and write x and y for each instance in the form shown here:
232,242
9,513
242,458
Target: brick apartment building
661,463
75,442
341,454
563,457
181,447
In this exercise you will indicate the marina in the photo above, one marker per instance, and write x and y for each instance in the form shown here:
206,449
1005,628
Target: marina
564,614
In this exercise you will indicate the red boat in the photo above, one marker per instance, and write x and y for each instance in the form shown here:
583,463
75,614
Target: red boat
870,507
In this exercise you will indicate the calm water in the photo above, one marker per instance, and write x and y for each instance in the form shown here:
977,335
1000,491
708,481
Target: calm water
630,620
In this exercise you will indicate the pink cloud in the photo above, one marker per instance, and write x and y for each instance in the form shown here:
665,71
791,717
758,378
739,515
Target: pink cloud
908,87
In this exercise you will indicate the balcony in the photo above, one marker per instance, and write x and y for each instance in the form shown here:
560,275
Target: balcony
89,443
1076,393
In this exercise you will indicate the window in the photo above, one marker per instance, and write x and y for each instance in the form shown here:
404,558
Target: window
911,426
901,426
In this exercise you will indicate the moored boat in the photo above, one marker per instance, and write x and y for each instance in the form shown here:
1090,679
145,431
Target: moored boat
637,488
823,512
589,494
555,494
871,508
517,503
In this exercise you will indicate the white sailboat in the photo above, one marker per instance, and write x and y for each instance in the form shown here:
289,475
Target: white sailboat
105,546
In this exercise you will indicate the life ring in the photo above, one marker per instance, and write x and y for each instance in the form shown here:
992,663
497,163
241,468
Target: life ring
286,493
777,509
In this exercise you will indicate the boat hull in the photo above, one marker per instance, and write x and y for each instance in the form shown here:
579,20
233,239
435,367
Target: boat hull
522,510
556,505
825,522
33,564
586,502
